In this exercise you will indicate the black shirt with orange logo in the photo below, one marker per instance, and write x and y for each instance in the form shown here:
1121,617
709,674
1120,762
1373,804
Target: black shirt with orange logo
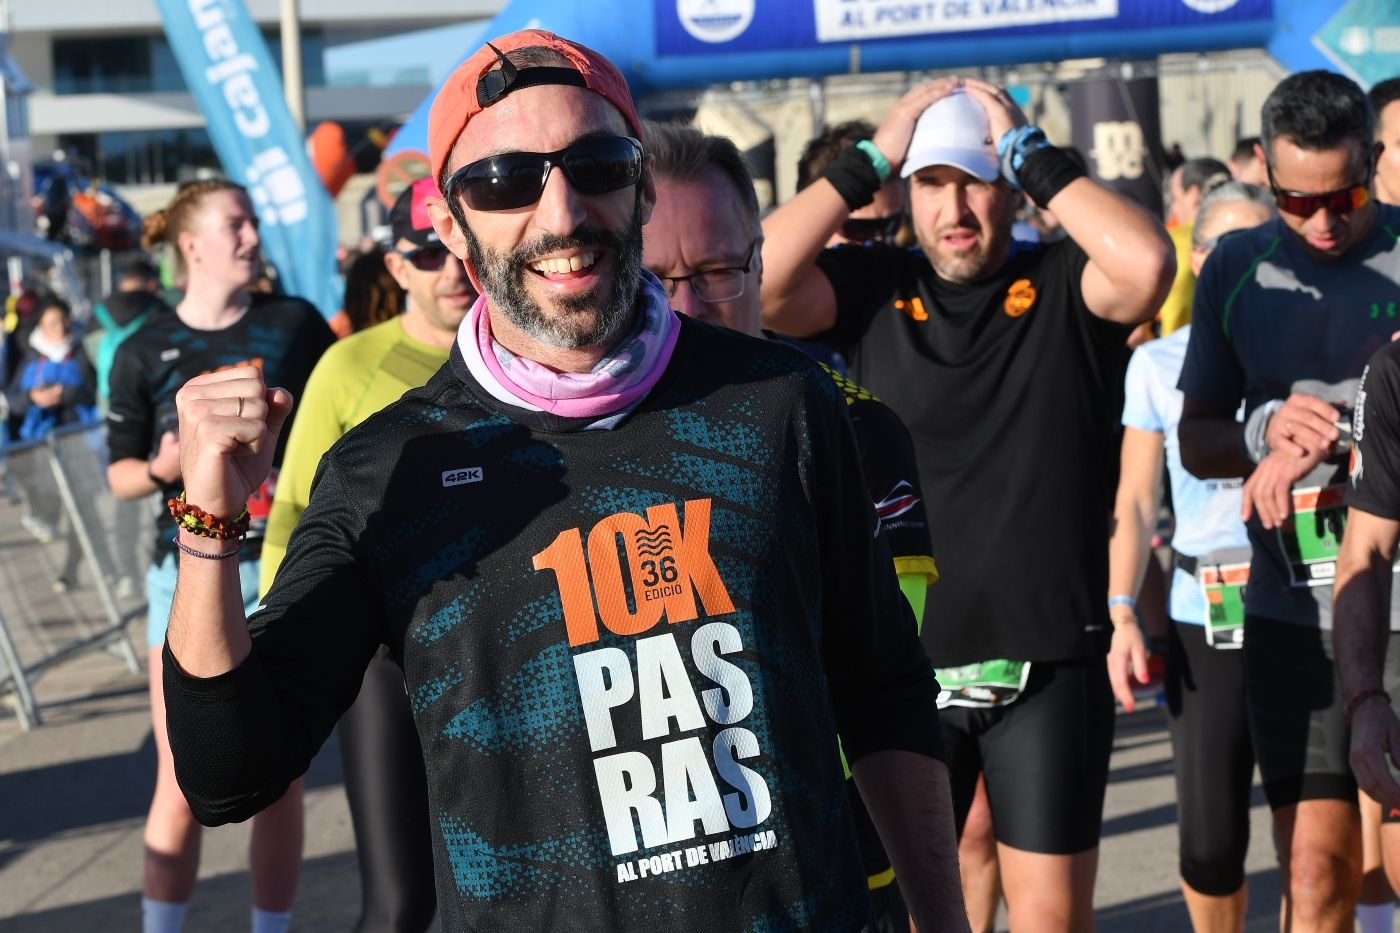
1012,391
628,651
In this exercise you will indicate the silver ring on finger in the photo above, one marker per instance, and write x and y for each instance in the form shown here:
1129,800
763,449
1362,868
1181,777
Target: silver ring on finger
240,407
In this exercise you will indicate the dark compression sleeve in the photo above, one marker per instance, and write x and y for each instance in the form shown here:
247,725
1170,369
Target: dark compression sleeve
882,684
240,738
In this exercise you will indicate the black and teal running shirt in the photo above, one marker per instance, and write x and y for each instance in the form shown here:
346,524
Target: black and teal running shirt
1012,391
284,336
891,473
628,651
1269,320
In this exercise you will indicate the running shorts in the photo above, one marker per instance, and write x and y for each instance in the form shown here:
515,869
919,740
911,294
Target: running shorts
1296,713
1045,757
1213,759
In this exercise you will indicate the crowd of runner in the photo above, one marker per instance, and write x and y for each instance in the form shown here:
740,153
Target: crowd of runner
906,584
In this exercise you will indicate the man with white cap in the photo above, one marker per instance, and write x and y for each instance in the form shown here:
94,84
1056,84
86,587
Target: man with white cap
625,560
1005,362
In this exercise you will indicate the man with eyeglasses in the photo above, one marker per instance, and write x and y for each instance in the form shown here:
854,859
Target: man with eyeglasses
706,215
625,560
1005,362
1286,315
380,755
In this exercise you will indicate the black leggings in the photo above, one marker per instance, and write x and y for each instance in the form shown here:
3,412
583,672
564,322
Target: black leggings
388,793
1214,759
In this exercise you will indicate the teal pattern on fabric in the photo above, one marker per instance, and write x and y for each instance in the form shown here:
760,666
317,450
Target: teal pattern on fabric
536,707
486,872
418,581
433,689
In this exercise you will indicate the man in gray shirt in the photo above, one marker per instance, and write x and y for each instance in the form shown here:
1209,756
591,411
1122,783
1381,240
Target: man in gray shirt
1286,316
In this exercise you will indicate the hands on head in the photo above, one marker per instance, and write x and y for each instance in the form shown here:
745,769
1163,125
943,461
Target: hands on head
229,425
1002,112
897,129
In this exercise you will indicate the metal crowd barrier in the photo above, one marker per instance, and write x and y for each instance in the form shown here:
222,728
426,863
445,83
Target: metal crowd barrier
73,578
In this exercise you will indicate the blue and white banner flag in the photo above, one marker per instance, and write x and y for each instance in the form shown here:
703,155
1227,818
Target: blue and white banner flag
228,69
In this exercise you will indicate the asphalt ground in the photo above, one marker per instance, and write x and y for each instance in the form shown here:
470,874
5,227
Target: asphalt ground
74,793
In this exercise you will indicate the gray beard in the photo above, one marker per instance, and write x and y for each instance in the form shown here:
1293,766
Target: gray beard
577,320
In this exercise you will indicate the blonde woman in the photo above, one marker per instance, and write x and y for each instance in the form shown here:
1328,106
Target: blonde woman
212,232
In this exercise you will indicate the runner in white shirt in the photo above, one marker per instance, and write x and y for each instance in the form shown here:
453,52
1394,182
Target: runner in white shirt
1205,679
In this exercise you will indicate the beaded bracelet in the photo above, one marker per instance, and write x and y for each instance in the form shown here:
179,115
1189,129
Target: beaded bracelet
1362,697
204,555
199,522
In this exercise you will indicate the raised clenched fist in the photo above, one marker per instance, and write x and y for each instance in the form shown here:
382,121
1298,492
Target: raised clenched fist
229,425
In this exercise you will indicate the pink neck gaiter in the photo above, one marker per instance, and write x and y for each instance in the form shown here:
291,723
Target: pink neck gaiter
619,380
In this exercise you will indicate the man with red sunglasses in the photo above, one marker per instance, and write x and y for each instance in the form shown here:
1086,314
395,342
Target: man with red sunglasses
625,559
1286,315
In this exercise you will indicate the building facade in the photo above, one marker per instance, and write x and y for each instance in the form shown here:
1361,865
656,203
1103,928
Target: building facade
108,92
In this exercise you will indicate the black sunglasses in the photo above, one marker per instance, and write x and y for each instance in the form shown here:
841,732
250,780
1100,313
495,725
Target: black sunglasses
430,258
864,230
516,179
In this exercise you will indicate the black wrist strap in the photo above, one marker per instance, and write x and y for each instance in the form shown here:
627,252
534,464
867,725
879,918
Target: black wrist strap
853,177
1046,172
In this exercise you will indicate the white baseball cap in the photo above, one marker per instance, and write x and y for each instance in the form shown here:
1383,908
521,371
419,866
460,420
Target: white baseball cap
954,131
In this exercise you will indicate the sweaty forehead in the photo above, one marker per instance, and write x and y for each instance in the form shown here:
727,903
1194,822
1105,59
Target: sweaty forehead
537,119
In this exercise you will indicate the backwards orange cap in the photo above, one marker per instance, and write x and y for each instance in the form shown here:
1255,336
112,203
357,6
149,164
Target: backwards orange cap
465,94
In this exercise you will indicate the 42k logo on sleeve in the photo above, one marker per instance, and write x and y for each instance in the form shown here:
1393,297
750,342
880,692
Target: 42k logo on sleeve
636,570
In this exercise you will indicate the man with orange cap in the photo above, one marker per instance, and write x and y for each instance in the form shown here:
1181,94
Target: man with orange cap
634,594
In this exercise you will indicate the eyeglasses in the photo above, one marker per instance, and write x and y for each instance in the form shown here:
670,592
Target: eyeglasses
1342,201
864,230
714,285
516,179
430,258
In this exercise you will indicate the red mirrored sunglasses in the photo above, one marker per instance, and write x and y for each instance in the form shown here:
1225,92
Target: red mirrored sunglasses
1342,201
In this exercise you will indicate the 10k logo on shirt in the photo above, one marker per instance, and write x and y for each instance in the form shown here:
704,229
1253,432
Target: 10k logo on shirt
630,572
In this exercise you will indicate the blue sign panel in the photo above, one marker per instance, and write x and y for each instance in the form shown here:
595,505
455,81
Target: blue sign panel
230,73
1363,39
709,27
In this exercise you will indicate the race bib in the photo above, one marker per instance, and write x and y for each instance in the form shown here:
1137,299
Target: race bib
1312,535
1223,586
983,685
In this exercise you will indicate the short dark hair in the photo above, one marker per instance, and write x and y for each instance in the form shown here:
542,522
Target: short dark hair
1196,172
1244,149
826,146
683,153
53,301
1384,94
137,266
1317,110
